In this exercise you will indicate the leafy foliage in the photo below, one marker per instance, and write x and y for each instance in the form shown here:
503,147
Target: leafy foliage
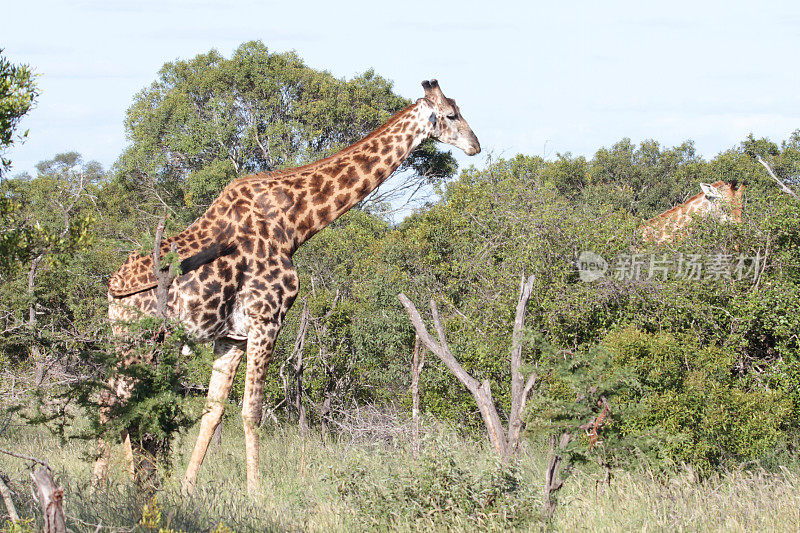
210,119
586,395
437,494
136,390
49,256
18,94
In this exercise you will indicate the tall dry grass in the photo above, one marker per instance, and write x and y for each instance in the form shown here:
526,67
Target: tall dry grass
735,501
303,482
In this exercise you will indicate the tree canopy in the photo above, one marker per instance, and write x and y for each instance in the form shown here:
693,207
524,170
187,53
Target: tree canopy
209,119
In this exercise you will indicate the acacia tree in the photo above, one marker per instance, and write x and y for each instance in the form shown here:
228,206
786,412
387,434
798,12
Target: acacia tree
17,95
209,119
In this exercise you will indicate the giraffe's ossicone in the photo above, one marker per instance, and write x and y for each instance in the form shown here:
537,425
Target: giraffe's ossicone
238,279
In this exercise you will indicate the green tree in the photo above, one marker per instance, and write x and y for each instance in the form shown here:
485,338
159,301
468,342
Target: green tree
646,179
210,119
46,278
18,93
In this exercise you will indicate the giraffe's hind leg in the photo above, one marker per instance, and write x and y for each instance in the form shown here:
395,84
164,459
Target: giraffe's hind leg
101,464
117,390
260,344
119,311
224,370
265,312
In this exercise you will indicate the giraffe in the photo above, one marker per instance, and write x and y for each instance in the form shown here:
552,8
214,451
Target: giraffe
238,280
713,199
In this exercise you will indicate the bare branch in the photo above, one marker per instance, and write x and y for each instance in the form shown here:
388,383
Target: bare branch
161,200
782,185
553,481
481,392
165,276
25,457
297,354
441,350
416,369
527,390
525,289
51,497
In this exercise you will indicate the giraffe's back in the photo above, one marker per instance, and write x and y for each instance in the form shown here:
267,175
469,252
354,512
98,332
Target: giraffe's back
207,300
210,236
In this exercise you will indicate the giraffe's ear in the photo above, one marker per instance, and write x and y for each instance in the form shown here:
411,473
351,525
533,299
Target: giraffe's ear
432,119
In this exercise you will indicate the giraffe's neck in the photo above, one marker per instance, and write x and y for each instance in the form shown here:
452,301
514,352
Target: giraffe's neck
673,220
663,227
699,205
318,194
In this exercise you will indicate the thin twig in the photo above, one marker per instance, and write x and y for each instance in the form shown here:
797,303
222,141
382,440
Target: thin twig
5,425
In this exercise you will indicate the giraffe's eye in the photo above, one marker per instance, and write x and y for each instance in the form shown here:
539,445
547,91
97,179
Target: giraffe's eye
452,116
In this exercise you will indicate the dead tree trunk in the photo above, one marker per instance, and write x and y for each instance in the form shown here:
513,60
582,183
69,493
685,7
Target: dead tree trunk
50,498
417,362
5,492
504,444
297,355
164,275
520,387
552,476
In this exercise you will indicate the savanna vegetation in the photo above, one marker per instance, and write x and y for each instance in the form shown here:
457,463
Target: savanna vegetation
675,375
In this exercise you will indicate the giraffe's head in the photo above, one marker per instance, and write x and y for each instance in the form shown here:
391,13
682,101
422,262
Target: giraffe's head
449,125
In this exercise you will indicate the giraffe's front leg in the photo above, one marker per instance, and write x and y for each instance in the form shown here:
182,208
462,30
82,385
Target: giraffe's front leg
224,370
260,343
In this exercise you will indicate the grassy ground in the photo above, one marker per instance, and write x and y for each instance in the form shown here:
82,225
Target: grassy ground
346,485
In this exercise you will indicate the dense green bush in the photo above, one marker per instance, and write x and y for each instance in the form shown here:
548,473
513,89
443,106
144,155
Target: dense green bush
437,493
706,353
691,394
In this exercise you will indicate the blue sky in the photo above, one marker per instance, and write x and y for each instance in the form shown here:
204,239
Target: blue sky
531,77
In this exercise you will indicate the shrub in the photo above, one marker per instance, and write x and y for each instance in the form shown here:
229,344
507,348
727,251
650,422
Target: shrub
436,492
692,396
